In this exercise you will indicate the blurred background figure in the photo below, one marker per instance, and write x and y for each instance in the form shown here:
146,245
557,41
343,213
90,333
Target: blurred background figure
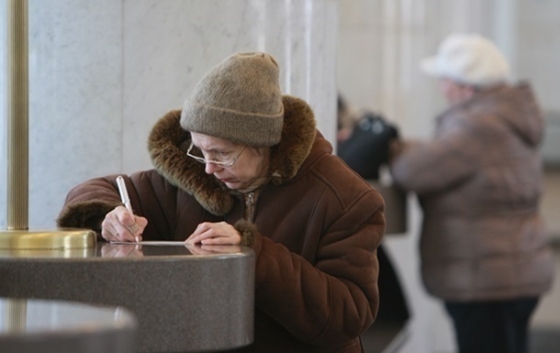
483,243
363,143
363,139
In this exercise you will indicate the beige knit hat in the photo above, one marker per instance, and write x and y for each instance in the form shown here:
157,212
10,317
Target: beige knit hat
470,59
239,100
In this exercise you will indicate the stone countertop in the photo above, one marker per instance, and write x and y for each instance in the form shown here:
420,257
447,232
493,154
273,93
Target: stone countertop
186,299
49,326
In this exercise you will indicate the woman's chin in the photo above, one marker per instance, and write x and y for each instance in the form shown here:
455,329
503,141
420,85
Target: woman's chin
233,185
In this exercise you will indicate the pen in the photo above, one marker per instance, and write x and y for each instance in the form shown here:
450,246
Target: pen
124,196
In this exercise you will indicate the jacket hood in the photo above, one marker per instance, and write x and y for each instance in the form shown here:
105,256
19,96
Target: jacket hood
517,107
168,144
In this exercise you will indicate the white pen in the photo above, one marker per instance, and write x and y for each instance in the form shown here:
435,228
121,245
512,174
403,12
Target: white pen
124,196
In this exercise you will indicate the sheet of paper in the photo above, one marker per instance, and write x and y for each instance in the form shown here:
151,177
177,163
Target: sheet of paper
151,242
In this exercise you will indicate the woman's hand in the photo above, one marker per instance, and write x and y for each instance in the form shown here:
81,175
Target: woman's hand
120,225
208,233
396,147
213,249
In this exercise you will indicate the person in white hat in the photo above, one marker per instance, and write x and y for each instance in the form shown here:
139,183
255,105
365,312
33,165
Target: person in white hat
483,241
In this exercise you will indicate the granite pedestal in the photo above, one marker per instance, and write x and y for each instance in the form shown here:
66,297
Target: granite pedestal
185,299
47,326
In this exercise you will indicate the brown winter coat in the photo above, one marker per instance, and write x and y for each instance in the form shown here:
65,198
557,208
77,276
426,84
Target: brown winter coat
315,230
479,185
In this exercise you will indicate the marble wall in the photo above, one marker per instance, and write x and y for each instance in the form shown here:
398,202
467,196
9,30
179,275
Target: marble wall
102,72
381,43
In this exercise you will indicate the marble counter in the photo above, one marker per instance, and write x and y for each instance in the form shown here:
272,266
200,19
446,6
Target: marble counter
48,326
186,299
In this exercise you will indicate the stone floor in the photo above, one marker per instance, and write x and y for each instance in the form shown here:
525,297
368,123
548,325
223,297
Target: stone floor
545,330
545,341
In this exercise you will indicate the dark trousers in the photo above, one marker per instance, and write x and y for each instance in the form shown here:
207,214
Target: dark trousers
492,326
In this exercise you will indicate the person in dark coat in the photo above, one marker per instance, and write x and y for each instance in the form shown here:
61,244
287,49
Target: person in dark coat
242,164
363,140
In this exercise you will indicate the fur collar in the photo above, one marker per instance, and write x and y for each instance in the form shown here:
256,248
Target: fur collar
168,143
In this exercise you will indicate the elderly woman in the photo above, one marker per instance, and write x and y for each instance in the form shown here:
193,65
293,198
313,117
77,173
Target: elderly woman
484,243
242,164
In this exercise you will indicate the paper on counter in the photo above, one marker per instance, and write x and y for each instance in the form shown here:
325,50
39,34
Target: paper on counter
151,242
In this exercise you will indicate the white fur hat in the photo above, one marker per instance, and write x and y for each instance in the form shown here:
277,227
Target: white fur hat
470,59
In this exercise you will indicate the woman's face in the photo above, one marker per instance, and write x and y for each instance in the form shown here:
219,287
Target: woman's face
249,164
455,92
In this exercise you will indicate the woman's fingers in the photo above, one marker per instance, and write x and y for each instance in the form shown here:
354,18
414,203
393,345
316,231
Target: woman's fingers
220,233
120,225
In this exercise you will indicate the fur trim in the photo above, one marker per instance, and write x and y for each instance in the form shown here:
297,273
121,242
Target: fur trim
248,232
168,143
85,215
298,135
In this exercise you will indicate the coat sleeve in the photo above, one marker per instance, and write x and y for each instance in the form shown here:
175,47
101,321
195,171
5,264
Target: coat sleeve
333,298
87,203
435,165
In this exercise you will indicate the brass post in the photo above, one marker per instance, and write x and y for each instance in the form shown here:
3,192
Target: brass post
18,236
16,315
18,116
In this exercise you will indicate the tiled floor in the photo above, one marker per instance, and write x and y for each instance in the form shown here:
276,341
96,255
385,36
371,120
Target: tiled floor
545,332
545,337
545,341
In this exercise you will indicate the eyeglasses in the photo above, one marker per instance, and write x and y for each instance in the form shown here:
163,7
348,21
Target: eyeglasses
221,163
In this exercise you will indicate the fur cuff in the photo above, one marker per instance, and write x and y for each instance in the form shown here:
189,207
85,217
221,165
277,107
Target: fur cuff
85,215
248,232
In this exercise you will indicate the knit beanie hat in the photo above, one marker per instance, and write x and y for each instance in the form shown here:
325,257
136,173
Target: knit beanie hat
239,100
470,59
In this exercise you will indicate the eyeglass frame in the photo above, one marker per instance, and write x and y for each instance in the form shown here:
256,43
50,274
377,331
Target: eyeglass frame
218,163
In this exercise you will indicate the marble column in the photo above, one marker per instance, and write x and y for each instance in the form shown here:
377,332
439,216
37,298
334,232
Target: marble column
102,72
3,113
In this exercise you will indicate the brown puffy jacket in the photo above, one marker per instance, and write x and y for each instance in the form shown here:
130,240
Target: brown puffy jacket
479,184
315,230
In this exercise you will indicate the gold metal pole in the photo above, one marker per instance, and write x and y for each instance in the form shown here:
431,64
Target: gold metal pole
16,315
18,115
17,235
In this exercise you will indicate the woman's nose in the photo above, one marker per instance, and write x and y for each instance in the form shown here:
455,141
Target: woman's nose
211,168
